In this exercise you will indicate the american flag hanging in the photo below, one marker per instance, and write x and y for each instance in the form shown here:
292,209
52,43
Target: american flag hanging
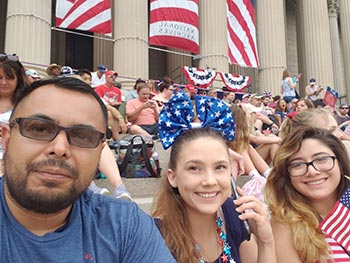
336,226
174,23
92,15
241,33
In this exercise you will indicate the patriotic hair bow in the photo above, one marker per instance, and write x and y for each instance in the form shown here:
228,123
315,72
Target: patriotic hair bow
177,116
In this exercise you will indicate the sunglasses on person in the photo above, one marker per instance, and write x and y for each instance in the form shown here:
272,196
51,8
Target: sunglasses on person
344,108
13,57
47,130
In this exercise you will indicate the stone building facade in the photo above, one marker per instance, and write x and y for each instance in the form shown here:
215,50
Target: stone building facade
311,37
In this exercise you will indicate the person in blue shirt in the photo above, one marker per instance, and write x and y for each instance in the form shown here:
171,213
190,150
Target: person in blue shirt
52,149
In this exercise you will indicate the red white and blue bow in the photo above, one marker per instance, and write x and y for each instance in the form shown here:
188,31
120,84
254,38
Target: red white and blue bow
177,116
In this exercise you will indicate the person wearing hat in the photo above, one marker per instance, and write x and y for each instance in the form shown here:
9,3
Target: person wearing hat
98,77
108,91
312,90
54,70
32,76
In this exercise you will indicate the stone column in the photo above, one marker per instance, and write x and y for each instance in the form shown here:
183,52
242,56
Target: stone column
344,7
131,39
317,42
213,37
28,30
271,39
333,8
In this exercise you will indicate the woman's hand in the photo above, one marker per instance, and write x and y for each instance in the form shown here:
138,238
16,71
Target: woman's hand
255,212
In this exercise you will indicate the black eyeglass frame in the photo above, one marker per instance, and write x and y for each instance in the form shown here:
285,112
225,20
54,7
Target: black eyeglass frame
58,128
312,164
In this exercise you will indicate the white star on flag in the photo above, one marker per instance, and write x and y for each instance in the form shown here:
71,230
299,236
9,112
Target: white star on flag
202,100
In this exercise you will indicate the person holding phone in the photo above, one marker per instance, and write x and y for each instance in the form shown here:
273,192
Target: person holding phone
194,210
143,113
313,91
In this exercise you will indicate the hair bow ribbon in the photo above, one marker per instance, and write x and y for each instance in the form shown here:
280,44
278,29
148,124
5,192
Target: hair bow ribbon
177,116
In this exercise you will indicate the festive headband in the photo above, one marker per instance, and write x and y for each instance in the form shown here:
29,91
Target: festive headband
177,116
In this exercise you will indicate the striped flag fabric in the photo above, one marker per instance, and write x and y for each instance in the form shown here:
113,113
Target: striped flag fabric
330,97
336,226
241,33
93,15
174,23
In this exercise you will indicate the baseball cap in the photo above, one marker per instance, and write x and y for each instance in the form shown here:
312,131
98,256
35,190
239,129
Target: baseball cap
191,88
102,68
110,73
33,73
66,71
247,95
312,81
256,96
343,105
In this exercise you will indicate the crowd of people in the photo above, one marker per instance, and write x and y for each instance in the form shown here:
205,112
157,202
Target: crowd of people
293,208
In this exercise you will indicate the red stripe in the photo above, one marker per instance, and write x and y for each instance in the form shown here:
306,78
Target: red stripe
90,13
235,38
239,45
73,8
175,42
174,14
103,28
336,224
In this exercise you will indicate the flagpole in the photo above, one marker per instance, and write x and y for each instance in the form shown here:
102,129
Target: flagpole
113,40
82,34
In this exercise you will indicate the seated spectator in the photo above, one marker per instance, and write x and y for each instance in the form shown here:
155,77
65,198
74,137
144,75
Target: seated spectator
166,91
212,92
32,76
132,94
98,77
152,87
108,91
53,71
85,75
143,113
308,195
312,90
229,97
281,111
53,147
342,114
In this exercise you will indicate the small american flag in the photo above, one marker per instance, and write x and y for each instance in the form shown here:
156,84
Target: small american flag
336,225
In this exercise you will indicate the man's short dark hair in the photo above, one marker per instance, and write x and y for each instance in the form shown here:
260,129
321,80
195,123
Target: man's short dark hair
83,71
73,84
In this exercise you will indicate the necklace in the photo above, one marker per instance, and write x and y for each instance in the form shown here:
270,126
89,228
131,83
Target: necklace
226,248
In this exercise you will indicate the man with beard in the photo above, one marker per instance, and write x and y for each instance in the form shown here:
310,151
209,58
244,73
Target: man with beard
52,149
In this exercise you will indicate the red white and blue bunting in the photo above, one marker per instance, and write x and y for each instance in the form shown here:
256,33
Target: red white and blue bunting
200,77
235,82
204,78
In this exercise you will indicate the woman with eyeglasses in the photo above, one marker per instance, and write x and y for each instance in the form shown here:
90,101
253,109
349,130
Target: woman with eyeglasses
308,196
12,80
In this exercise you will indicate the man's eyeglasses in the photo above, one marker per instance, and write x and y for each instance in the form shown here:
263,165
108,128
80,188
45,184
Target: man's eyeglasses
344,108
12,57
321,164
47,130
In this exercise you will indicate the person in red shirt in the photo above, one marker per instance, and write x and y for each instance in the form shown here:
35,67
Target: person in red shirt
108,91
